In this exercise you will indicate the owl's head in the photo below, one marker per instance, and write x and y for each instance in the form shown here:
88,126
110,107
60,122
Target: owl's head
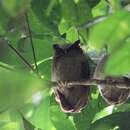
68,49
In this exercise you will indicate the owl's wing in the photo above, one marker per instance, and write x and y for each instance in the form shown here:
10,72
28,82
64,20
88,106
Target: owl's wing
111,93
85,70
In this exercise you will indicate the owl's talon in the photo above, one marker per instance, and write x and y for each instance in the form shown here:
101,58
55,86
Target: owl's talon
62,83
65,83
59,83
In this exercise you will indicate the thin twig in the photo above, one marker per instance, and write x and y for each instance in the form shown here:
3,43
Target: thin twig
91,22
7,68
21,57
31,42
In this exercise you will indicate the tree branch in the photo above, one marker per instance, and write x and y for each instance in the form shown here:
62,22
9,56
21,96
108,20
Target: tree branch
115,82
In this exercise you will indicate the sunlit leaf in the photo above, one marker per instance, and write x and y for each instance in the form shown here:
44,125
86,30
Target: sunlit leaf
14,7
63,26
105,112
120,60
4,17
83,15
41,117
27,125
118,120
17,88
115,4
10,126
43,16
111,31
72,34
99,9
84,119
93,3
64,123
69,14
110,110
11,119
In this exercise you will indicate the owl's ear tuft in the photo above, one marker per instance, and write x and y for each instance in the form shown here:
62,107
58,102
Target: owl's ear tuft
57,48
76,44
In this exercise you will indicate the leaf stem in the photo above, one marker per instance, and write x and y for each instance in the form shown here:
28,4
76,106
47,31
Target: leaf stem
31,42
18,53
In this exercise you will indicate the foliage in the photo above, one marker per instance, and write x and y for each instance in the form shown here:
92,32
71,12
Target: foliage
26,101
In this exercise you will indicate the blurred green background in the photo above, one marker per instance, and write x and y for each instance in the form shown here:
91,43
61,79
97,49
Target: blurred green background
26,101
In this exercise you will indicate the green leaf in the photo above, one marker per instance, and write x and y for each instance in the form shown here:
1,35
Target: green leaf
37,24
27,124
45,14
99,9
118,120
105,112
83,12
111,110
68,11
14,7
60,119
4,17
119,60
10,126
11,119
45,68
93,3
41,117
72,34
63,26
9,56
19,87
44,45
23,46
111,31
84,119
115,4
74,13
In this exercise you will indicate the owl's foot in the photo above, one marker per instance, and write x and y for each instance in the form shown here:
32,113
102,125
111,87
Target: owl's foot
62,83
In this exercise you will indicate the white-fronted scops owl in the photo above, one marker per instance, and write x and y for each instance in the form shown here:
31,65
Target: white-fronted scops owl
70,64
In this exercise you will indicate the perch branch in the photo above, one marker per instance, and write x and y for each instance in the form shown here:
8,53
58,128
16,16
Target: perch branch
122,84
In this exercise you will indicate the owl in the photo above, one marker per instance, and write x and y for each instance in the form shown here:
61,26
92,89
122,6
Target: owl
112,94
70,64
